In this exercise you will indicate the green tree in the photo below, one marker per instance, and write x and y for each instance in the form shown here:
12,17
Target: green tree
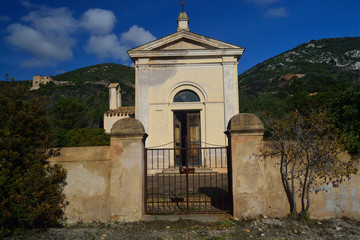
79,137
262,103
65,115
97,115
346,112
31,189
69,113
308,148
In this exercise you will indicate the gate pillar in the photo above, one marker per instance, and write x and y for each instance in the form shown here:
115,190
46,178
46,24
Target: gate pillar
127,170
245,133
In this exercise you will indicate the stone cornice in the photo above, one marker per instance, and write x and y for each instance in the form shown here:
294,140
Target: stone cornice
180,65
186,53
229,63
185,35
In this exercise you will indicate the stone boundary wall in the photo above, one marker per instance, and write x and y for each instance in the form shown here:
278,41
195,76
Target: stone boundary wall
88,182
326,201
108,184
257,187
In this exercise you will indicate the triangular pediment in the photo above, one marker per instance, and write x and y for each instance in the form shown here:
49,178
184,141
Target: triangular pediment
184,44
185,40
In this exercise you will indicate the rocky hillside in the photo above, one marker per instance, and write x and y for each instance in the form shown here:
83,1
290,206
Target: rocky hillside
322,65
319,74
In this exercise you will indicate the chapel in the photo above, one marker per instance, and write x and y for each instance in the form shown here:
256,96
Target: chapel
186,89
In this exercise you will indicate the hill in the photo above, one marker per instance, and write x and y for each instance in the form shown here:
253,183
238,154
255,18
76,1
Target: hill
319,74
108,72
102,74
89,86
317,66
77,100
310,75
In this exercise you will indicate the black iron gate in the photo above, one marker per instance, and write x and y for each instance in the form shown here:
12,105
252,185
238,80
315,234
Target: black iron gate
200,184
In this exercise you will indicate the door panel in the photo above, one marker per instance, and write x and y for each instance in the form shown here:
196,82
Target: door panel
177,140
193,128
187,138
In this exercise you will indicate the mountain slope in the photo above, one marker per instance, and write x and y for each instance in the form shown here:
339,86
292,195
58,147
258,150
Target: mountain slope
109,72
321,65
319,74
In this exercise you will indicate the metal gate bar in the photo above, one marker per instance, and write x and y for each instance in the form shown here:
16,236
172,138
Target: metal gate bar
172,188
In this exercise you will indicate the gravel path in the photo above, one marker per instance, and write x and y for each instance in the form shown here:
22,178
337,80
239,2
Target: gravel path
266,228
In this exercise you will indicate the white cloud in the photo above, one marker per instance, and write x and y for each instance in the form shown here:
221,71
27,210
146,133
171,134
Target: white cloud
98,21
280,12
4,18
46,34
136,36
57,21
111,46
107,46
45,49
262,1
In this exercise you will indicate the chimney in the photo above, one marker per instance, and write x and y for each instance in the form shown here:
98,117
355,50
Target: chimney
183,22
114,96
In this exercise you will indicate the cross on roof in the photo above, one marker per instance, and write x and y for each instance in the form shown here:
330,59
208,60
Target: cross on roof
182,3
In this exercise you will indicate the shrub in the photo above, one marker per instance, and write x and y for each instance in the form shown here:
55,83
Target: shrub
31,189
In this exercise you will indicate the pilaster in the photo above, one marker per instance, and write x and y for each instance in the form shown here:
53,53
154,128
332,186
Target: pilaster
127,178
142,86
245,132
231,100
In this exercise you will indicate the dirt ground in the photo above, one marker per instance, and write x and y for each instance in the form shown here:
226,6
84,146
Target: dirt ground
266,228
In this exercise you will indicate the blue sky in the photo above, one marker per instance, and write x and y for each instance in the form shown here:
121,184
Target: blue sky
52,37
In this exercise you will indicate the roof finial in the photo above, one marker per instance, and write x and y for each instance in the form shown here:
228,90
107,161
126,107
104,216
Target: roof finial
182,5
183,20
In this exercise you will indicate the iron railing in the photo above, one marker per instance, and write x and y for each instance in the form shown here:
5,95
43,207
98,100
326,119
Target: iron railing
187,180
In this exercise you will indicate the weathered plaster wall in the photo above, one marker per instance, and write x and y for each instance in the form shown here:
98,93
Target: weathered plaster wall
276,204
257,186
326,201
127,171
342,201
87,190
246,131
107,183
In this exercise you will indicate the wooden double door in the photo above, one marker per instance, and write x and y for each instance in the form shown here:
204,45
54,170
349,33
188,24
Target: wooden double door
187,138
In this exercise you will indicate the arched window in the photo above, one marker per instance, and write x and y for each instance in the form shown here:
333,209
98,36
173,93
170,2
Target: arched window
186,96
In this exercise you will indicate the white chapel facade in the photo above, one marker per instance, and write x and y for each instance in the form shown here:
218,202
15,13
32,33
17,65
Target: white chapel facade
186,88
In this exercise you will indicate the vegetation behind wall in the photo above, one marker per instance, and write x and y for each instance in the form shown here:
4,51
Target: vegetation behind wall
319,74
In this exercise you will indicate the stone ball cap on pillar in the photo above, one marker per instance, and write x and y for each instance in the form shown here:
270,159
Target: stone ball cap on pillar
246,123
127,127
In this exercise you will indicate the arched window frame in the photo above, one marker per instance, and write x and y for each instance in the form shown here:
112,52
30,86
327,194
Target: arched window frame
186,86
190,96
